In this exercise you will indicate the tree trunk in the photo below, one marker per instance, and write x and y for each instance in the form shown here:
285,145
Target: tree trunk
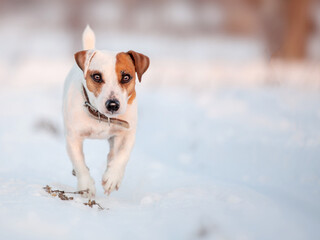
295,34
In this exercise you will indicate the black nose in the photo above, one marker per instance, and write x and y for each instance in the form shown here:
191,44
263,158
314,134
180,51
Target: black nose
112,105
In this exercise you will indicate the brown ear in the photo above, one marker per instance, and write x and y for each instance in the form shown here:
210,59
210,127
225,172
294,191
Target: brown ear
141,62
80,58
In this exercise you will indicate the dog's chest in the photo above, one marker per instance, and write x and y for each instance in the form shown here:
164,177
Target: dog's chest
100,130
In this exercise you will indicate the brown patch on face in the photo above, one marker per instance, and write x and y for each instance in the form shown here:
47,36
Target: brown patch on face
81,58
132,97
93,86
124,64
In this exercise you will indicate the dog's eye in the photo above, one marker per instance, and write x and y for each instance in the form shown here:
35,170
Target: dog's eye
97,77
125,78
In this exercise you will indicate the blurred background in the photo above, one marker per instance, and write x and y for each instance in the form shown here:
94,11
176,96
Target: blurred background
247,36
228,139
285,29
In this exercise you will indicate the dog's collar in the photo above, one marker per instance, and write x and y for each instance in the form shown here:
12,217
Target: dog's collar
99,116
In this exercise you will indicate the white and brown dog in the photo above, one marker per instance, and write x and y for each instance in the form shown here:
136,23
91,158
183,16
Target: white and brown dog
100,103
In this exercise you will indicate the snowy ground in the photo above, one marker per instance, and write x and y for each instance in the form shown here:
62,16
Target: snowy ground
231,163
232,160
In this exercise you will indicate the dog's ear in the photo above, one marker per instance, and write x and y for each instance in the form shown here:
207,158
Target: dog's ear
80,58
141,63
83,57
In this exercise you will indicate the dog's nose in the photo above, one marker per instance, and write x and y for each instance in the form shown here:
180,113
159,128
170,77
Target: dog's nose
112,105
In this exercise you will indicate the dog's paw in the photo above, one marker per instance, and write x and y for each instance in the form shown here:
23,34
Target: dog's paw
87,183
111,179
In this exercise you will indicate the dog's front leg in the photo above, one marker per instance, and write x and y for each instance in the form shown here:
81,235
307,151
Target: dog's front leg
120,149
75,151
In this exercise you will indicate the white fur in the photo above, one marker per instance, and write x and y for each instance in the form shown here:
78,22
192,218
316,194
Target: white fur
78,122
88,38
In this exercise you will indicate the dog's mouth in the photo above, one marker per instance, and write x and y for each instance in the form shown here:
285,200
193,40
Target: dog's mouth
110,114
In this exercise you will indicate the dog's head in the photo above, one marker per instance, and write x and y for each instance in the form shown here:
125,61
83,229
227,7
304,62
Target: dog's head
110,78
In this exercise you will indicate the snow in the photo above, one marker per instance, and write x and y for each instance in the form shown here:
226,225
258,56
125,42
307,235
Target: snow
221,153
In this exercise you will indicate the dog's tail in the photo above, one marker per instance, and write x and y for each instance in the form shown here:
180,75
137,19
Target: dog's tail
88,38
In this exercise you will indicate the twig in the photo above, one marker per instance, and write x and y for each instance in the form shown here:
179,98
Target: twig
62,195
90,203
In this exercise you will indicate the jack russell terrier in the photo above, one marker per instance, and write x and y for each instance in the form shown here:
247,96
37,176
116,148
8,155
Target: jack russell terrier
100,103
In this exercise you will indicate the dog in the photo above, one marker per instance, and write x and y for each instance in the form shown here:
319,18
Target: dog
99,102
